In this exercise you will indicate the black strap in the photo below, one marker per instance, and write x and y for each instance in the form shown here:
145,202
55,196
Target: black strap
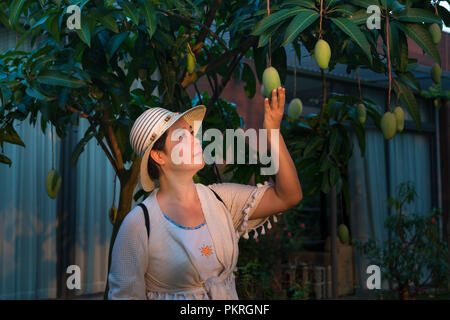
147,221
217,196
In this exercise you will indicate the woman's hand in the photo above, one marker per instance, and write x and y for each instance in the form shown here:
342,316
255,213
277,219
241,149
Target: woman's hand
274,111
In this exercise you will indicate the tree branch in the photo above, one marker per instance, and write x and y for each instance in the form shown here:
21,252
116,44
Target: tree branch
105,149
97,137
81,113
198,46
242,47
209,19
112,142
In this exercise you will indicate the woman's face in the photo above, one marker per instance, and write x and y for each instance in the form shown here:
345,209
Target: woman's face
183,150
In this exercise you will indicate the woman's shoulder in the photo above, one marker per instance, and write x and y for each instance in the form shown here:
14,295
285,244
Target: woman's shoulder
134,220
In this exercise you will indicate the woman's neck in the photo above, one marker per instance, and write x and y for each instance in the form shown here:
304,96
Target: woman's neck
178,190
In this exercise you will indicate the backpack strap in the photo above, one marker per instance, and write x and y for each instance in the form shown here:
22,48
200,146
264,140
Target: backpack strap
217,196
147,221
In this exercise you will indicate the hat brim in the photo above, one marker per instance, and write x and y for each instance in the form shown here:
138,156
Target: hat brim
196,113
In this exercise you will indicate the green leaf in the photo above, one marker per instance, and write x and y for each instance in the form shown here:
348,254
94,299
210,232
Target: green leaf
418,15
84,33
347,10
4,20
409,79
259,57
334,176
315,142
359,17
279,62
265,36
150,18
325,187
398,48
276,18
130,11
53,26
334,141
115,42
15,10
302,3
108,21
409,101
346,193
422,37
354,33
360,135
36,94
250,81
10,135
330,3
365,3
298,24
79,148
29,31
56,78
4,159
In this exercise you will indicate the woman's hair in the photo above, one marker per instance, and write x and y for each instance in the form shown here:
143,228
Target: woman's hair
152,166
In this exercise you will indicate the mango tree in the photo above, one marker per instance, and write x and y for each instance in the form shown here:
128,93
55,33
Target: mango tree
349,32
92,72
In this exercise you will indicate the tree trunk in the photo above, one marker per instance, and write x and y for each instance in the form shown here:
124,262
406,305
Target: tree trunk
128,181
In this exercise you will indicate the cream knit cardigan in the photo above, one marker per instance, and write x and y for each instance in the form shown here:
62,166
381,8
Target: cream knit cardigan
161,263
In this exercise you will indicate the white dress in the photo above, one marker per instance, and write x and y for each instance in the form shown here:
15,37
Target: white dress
174,263
199,242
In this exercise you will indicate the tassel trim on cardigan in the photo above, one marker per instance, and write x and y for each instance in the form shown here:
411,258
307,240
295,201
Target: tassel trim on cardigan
245,212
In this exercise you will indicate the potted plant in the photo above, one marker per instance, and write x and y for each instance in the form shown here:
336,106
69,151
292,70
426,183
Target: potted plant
415,255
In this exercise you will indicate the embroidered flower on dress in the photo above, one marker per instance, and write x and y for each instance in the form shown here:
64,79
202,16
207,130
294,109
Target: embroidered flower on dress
206,251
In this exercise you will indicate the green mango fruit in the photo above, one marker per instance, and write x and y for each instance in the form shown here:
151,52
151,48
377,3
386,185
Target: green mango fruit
388,125
400,116
436,33
53,183
436,73
322,53
190,63
113,215
271,80
343,233
361,113
295,108
437,103
263,91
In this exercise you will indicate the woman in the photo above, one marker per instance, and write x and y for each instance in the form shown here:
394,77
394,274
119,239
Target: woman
192,247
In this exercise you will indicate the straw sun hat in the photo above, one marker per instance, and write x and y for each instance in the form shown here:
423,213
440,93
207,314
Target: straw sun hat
149,126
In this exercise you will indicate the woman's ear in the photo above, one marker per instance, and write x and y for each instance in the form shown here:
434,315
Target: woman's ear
156,156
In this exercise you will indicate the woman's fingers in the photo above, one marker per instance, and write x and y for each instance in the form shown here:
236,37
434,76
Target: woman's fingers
266,105
282,97
274,100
